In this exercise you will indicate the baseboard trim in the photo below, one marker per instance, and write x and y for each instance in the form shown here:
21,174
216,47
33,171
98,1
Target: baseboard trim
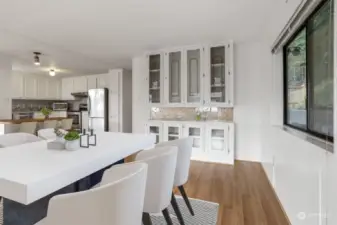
277,198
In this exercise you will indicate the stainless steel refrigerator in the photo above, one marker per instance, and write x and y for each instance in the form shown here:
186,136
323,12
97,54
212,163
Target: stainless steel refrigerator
98,109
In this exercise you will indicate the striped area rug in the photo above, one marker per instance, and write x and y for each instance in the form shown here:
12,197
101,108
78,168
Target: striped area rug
206,213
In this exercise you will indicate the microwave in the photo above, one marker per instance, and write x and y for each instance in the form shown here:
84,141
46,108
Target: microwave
60,106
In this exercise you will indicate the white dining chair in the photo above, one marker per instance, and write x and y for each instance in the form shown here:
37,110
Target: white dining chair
67,124
118,200
182,170
47,134
49,124
28,127
13,139
161,167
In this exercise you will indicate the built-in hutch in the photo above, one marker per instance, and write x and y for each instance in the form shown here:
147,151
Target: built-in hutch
193,76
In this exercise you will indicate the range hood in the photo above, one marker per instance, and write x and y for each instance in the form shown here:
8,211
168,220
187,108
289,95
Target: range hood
80,94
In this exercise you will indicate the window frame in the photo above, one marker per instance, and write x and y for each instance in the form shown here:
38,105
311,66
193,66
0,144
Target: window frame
308,83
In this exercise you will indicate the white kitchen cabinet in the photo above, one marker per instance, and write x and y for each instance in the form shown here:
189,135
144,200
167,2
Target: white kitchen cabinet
155,128
211,141
173,84
103,81
54,89
155,79
17,83
193,68
30,87
197,132
42,88
80,84
220,144
35,87
172,131
218,83
91,82
67,88
191,76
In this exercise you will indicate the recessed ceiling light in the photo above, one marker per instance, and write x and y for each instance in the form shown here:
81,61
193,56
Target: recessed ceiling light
37,58
52,72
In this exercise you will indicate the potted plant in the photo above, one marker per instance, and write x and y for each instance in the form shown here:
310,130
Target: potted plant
46,112
72,139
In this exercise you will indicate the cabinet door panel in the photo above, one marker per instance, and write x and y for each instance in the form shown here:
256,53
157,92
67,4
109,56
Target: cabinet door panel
172,132
112,81
92,82
194,71
53,91
114,104
155,78
17,82
30,87
218,74
103,81
218,87
219,144
156,129
67,88
114,124
80,84
42,88
197,133
173,78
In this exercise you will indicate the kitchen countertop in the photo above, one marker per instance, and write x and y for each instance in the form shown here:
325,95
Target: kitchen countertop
19,121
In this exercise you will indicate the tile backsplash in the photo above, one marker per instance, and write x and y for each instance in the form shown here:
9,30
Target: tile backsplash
211,113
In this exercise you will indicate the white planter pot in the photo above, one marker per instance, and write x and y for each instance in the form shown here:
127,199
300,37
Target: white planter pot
72,145
61,140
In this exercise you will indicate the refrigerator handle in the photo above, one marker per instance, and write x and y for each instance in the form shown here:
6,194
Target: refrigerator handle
89,106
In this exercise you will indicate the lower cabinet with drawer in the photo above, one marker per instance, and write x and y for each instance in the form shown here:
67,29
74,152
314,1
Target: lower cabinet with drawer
212,141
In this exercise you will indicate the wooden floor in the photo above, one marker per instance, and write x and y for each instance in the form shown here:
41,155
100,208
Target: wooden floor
243,193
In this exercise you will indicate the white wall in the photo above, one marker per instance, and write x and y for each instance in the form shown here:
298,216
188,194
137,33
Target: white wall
252,67
5,85
300,172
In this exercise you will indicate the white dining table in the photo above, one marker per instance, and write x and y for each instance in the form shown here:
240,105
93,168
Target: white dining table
31,171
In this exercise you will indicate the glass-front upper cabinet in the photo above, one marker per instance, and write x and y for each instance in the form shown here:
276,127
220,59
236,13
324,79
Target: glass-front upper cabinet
173,77
220,75
155,79
194,74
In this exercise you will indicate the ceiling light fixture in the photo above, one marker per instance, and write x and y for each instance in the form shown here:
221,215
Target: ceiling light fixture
52,72
37,58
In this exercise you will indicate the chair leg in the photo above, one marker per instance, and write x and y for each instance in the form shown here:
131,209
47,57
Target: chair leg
146,219
167,217
177,210
183,193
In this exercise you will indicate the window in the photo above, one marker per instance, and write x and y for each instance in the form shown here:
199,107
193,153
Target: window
308,72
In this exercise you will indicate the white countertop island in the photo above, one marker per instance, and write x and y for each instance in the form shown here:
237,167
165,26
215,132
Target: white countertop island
30,172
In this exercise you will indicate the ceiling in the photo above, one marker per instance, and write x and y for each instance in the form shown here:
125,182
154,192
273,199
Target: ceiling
91,36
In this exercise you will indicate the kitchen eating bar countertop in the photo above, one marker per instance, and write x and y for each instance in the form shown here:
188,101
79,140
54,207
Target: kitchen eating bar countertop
19,121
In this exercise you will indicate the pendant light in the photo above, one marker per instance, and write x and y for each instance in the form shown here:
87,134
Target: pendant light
52,72
37,58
